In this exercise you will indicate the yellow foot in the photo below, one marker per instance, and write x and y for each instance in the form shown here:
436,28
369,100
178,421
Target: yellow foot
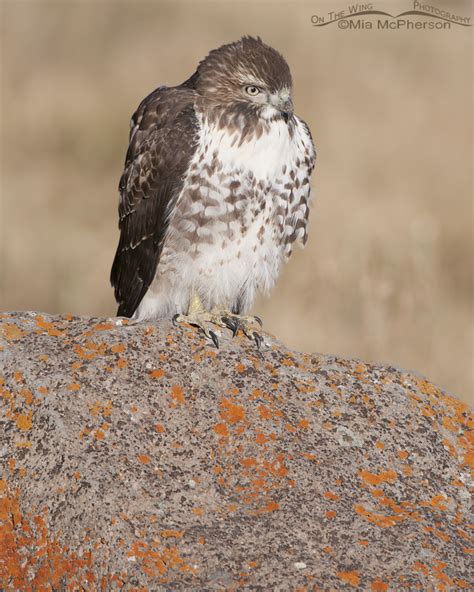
246,324
222,318
201,319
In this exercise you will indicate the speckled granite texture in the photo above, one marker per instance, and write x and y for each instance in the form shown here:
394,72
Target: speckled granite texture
142,458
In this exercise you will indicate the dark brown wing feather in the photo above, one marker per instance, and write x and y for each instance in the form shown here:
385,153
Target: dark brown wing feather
163,139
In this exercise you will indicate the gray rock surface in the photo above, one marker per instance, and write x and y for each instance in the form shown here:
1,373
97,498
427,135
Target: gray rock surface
139,457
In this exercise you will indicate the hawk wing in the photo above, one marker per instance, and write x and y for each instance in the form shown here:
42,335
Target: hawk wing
163,139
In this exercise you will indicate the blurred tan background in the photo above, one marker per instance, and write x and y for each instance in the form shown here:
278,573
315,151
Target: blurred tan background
387,273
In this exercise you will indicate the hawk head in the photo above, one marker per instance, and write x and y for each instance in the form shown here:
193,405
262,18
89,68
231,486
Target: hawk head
249,75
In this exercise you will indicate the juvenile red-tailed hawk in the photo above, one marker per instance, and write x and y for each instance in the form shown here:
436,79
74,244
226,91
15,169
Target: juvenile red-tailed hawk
215,191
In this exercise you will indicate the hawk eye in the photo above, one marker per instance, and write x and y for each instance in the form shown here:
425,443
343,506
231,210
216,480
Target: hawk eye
252,90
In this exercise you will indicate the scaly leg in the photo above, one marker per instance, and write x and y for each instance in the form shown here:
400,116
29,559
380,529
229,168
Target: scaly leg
199,317
222,318
244,323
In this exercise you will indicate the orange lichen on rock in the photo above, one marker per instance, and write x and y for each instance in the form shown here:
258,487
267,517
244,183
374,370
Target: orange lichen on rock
264,412
438,502
230,412
11,332
419,566
104,409
452,414
438,567
256,394
450,424
99,434
159,373
177,534
377,479
24,421
118,348
271,506
277,468
248,462
327,549
437,532
27,395
23,444
304,387
221,429
177,394
260,438
468,459
350,577
378,519
48,566
90,350
99,327
156,560
288,361
48,326
378,585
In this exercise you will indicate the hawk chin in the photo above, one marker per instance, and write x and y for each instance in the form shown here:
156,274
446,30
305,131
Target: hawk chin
269,112
215,192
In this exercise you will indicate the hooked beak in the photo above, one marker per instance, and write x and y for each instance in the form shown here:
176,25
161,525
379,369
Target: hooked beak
284,104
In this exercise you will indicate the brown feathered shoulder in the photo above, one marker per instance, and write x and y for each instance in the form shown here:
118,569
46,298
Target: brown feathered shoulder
163,139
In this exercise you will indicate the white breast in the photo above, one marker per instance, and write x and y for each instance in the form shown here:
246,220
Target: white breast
263,156
231,228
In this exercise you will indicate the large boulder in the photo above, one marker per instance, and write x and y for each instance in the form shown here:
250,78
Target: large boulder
139,457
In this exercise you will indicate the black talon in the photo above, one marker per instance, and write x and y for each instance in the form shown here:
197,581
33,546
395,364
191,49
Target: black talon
258,339
259,320
231,324
173,320
214,339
